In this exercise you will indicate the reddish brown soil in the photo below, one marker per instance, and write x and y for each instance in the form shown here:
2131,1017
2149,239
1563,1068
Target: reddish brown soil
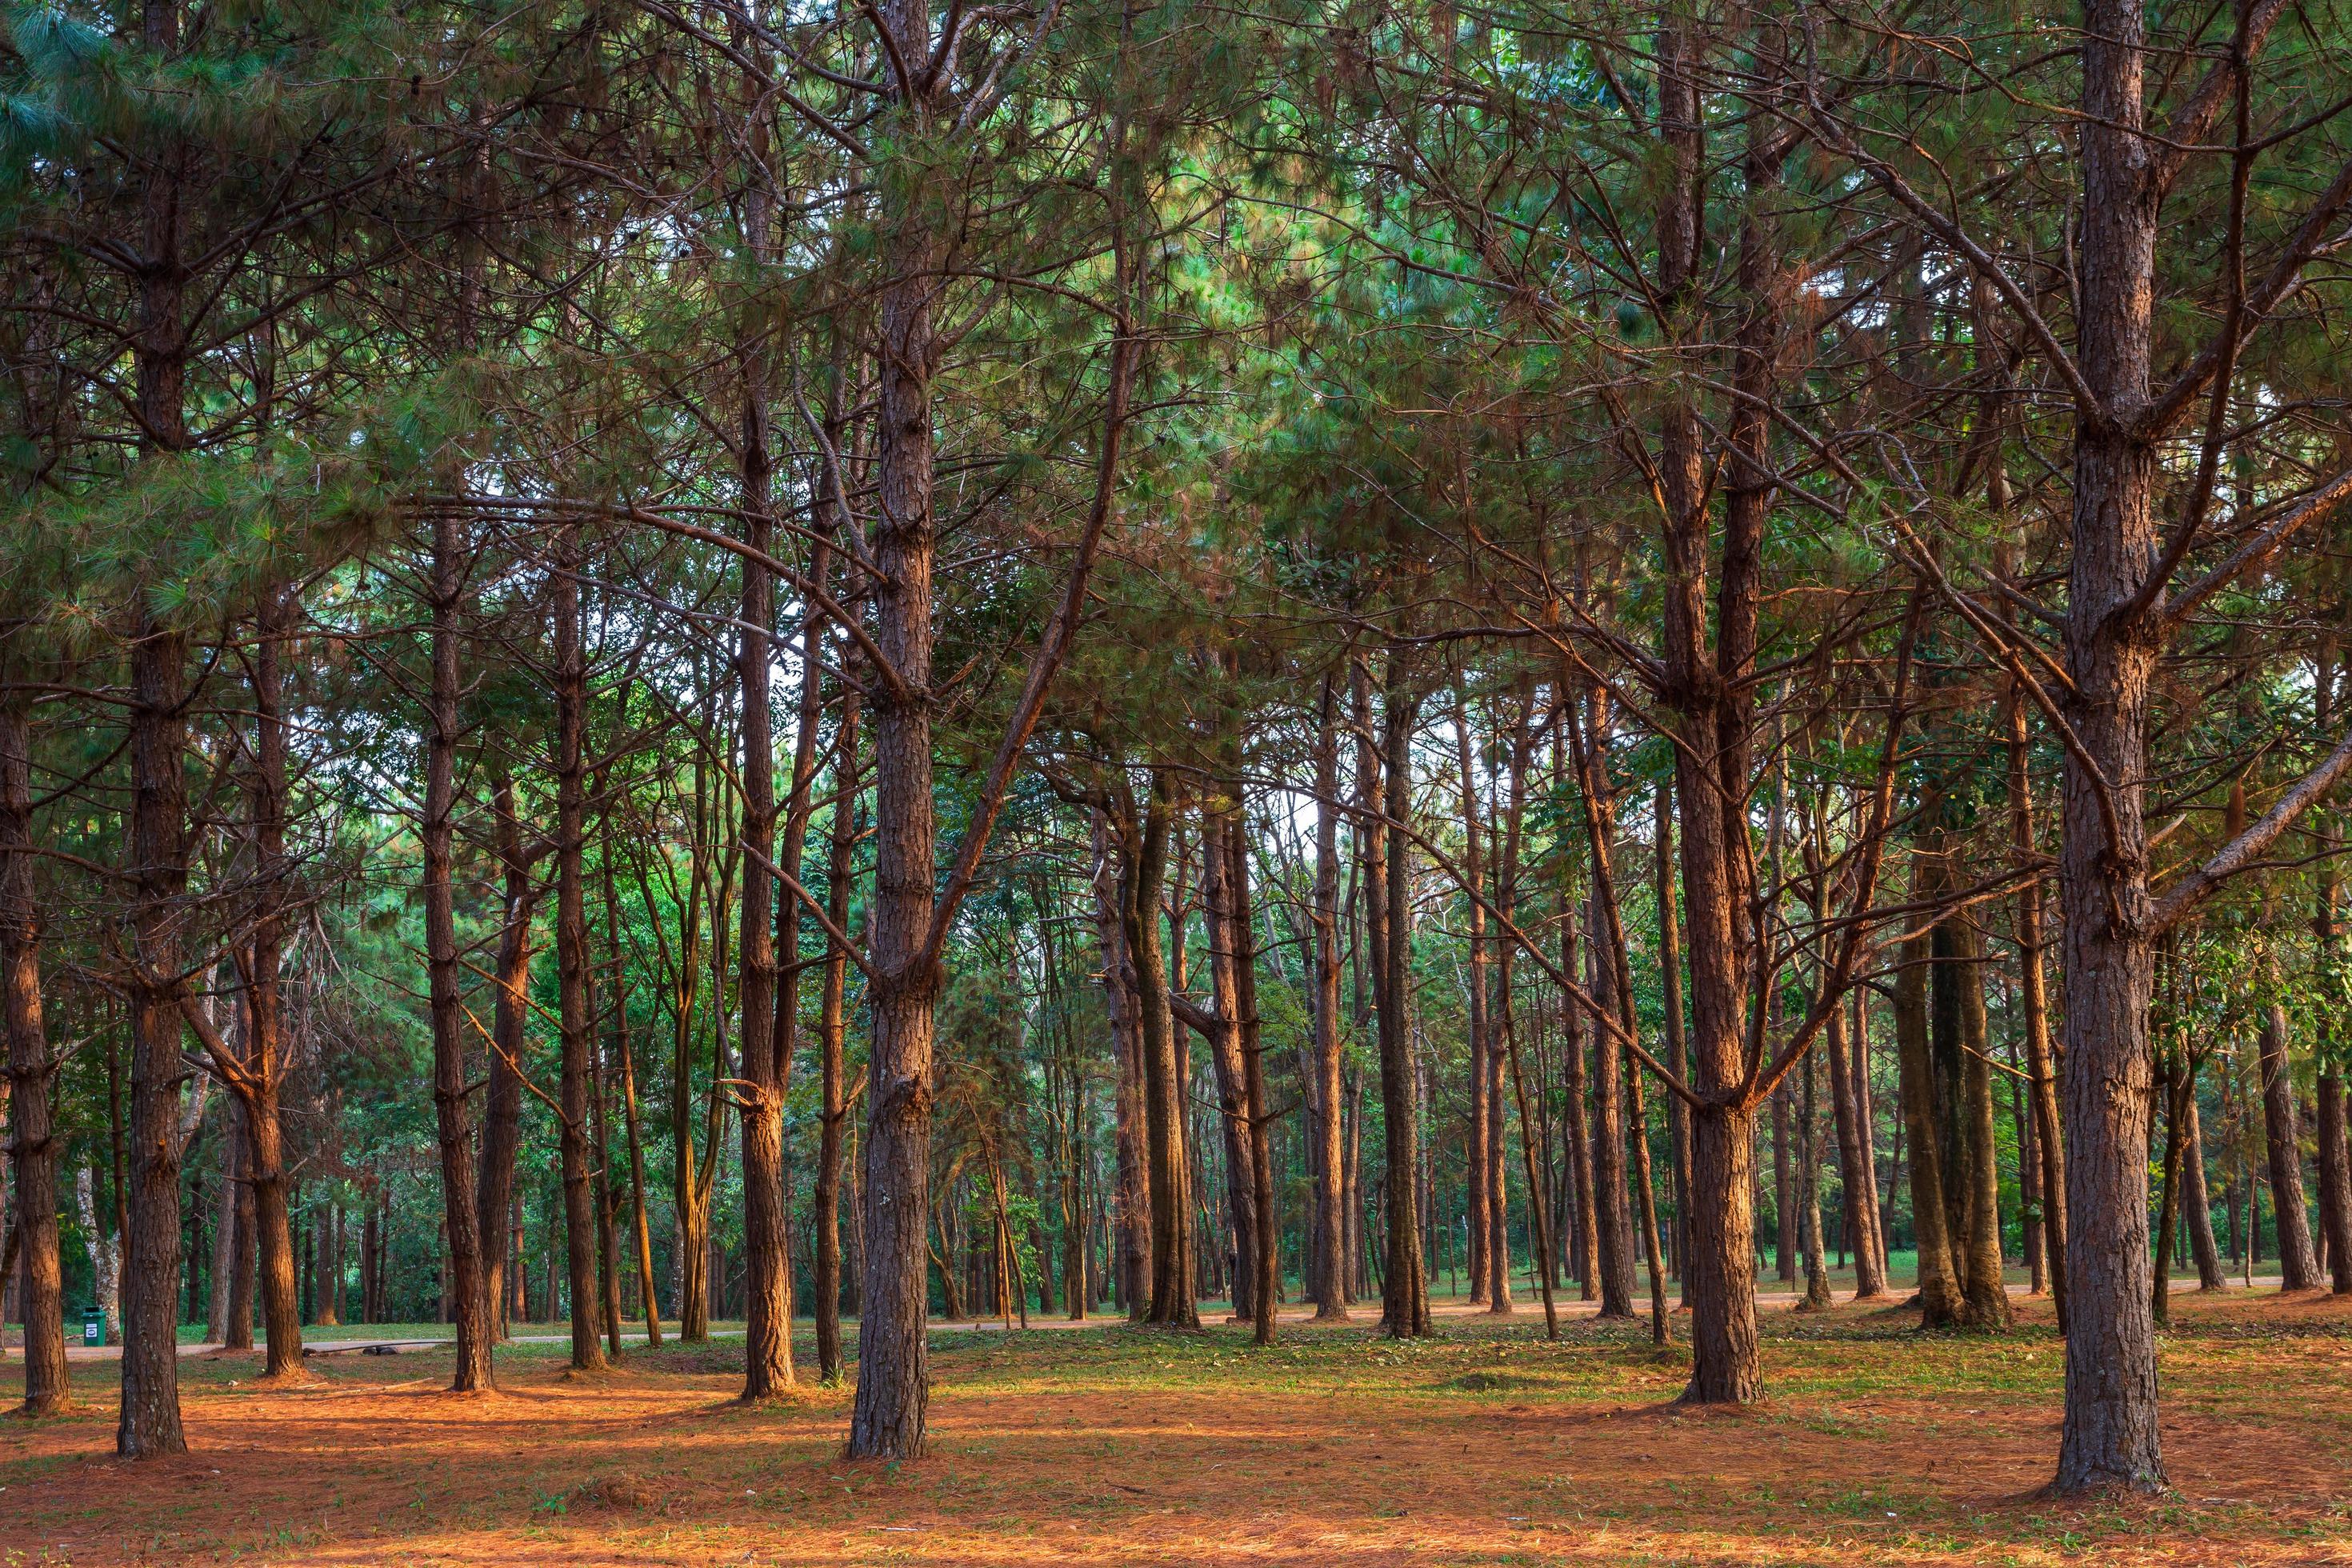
1879,1446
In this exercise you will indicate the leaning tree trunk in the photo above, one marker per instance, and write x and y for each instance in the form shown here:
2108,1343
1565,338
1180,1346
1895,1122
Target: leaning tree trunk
2198,1201
32,1139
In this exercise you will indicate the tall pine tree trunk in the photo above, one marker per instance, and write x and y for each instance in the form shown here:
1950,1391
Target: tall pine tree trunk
32,1140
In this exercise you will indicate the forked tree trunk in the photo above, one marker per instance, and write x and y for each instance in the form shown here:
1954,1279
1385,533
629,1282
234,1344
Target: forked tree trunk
32,1143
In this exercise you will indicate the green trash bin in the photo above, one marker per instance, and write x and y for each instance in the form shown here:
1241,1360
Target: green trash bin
93,1325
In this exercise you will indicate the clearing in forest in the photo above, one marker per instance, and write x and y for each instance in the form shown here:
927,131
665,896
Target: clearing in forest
1117,1446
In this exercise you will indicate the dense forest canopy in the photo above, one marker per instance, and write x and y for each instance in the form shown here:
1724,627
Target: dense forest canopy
680,661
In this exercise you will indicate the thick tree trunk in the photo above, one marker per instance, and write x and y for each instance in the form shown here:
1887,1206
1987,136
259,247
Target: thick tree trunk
1404,1307
149,1424
32,1141
893,1352
2107,916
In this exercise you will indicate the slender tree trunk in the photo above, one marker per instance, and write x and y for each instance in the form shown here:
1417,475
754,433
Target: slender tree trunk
1972,1183
1264,1258
1329,1285
32,1143
1172,1259
263,1065
629,1124
577,1026
2033,1001
502,1086
1859,1182
1670,986
1476,1153
1224,1040
767,1321
831,1039
2199,1202
2283,1137
465,1284
1938,1281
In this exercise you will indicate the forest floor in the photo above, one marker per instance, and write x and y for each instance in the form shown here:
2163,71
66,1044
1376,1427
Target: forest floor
1114,1446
